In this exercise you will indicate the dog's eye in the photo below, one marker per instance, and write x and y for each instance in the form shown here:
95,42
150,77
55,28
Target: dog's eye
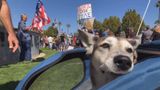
129,50
105,45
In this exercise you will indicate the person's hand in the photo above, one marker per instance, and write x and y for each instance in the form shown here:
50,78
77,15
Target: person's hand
28,28
13,42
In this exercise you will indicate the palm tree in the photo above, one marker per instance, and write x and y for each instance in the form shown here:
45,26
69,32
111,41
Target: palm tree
158,6
59,25
68,26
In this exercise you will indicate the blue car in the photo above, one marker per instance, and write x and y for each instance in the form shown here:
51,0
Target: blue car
145,76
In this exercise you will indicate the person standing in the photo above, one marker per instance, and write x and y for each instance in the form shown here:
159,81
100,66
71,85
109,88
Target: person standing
97,34
5,17
54,43
62,44
131,33
156,33
46,41
24,39
146,35
50,40
28,55
107,32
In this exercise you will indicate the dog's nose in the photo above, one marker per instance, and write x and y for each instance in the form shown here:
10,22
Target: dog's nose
122,62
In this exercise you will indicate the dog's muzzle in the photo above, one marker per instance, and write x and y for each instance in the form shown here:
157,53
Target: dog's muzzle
122,62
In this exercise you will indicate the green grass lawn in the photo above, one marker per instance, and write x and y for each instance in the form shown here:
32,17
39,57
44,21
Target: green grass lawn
62,76
10,75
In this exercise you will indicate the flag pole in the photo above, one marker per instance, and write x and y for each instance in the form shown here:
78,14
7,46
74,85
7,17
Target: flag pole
143,17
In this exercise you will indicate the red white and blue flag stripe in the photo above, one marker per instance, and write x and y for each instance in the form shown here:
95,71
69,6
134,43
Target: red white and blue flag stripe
40,19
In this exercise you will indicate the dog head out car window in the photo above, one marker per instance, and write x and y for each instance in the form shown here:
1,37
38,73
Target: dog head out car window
89,40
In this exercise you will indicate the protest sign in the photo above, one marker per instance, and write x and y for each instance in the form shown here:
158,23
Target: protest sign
84,11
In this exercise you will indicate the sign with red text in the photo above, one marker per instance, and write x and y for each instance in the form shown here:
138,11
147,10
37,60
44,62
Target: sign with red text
84,11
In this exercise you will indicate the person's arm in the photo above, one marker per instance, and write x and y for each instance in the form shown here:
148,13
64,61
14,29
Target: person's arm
6,20
5,16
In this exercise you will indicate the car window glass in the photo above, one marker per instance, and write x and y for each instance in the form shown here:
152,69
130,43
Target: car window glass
62,76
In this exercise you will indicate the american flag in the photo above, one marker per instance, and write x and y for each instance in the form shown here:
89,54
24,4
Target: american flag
40,19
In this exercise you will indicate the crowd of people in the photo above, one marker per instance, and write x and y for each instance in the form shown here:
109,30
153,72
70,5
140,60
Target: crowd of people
61,42
64,41
148,34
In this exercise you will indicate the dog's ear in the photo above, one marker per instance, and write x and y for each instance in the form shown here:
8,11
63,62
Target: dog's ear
135,42
88,40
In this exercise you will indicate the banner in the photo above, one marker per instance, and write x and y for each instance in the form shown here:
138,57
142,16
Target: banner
40,19
84,11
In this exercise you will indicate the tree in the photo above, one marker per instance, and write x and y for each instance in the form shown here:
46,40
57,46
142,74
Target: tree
131,19
158,6
113,22
68,27
98,25
51,32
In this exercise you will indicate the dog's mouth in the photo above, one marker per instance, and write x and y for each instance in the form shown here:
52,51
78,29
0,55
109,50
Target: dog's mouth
117,72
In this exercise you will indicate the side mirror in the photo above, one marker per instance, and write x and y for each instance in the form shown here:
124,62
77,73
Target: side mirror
64,70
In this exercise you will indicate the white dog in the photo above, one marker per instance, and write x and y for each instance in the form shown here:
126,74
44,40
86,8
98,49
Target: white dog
111,57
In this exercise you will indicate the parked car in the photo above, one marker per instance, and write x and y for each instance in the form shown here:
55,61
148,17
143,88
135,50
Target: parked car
145,76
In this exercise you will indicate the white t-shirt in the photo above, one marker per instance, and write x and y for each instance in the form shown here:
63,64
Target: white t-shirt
50,39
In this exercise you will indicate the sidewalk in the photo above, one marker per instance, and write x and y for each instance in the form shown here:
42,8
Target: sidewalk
41,55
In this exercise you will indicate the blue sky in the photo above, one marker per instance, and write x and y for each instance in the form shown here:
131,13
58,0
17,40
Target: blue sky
66,10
